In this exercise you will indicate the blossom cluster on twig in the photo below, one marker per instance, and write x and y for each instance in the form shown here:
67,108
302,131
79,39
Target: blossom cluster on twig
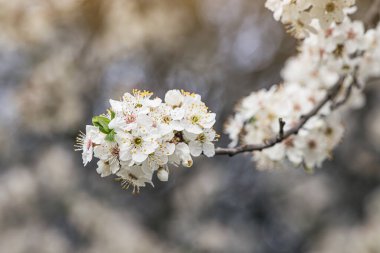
140,136
337,56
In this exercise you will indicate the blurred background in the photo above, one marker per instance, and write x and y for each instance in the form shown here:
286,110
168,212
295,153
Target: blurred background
60,62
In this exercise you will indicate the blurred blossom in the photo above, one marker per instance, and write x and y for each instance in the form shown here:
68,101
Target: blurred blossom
18,191
356,239
111,230
49,102
34,237
31,22
130,24
56,171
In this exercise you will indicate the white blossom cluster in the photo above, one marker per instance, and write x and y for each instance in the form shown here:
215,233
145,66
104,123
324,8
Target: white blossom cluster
302,17
342,54
140,136
257,120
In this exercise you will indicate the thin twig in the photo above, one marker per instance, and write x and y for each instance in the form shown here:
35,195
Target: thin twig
281,123
331,94
347,96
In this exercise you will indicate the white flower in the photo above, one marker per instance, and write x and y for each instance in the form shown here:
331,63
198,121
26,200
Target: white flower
140,100
201,143
314,148
136,146
86,142
182,155
329,11
167,120
174,98
197,117
159,158
305,17
107,167
129,119
133,176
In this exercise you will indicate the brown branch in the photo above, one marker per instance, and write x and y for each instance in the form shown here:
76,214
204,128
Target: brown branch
346,97
331,94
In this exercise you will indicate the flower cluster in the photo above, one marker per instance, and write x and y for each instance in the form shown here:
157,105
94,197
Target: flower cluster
303,16
343,57
327,56
257,121
140,135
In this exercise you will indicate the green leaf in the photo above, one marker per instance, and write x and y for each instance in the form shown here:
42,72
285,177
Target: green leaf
111,136
111,113
102,123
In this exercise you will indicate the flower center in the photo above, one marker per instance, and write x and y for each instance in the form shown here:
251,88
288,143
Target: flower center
137,141
312,144
166,119
115,151
330,7
338,52
130,118
132,177
194,119
329,131
139,105
201,138
89,144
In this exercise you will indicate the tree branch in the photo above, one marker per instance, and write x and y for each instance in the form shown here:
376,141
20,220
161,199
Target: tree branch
331,94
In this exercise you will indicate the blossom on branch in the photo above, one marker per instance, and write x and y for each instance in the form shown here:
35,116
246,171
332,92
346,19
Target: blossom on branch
303,17
140,135
333,65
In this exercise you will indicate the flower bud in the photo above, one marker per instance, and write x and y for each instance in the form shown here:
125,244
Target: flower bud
163,174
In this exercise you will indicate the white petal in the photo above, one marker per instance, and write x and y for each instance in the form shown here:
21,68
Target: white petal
168,148
90,128
195,148
139,157
209,149
177,125
117,106
103,169
87,156
174,98
194,129
190,136
153,102
177,113
147,168
210,134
